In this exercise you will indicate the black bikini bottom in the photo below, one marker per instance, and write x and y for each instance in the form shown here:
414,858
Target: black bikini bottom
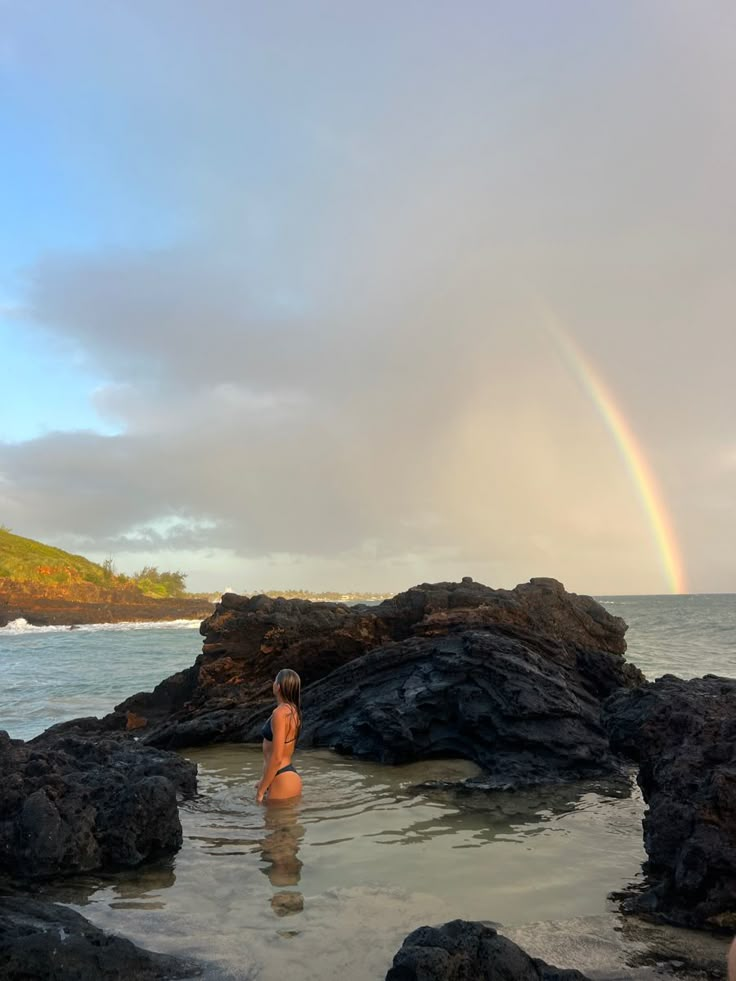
286,769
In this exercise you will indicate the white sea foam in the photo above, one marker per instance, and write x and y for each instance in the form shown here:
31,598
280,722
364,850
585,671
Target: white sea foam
21,626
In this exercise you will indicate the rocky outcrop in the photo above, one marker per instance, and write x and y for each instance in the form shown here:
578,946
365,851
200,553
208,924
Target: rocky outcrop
247,640
71,804
524,711
461,950
44,940
82,603
683,735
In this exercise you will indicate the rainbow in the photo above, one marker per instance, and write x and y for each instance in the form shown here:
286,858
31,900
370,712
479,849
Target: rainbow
636,463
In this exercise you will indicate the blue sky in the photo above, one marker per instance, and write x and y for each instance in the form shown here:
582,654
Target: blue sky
271,282
57,195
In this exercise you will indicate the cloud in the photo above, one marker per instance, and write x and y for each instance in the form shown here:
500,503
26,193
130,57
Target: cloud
337,358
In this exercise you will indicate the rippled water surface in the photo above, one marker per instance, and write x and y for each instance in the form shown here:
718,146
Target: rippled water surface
329,886
50,674
684,635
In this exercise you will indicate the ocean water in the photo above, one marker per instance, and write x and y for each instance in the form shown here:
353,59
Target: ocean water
51,674
684,635
328,886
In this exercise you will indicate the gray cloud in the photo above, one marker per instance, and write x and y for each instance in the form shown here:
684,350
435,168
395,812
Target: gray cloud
339,356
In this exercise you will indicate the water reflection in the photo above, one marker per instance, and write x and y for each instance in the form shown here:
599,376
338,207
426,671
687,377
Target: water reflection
279,852
143,887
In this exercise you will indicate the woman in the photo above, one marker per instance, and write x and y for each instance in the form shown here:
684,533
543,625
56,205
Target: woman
280,733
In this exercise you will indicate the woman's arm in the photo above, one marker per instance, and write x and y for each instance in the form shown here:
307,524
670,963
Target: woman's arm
263,769
732,962
278,724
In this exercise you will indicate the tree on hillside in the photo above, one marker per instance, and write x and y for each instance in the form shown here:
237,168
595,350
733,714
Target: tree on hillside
161,584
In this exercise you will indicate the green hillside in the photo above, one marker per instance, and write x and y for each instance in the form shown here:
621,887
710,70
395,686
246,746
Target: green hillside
24,560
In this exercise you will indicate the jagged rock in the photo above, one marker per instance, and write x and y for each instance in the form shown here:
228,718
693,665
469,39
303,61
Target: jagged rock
44,940
526,712
463,950
247,640
683,734
72,804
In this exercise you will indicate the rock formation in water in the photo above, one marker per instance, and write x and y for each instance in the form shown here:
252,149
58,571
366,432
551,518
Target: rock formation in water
228,689
525,710
71,804
44,940
464,950
683,735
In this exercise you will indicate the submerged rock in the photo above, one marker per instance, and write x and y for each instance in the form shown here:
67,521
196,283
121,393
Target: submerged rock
44,940
683,734
247,640
71,804
524,711
614,948
461,950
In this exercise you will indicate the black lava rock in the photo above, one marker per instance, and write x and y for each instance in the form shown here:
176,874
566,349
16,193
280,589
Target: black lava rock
521,709
683,734
71,804
44,940
464,950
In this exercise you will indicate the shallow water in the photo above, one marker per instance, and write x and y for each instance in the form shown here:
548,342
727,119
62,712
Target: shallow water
328,886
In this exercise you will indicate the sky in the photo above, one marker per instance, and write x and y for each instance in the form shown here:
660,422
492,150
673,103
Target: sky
286,290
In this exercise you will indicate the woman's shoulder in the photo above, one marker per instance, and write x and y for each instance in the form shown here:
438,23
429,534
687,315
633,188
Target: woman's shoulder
282,710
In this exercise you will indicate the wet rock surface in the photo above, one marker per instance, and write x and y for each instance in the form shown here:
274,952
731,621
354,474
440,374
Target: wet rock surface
523,711
44,940
462,949
247,640
72,804
683,735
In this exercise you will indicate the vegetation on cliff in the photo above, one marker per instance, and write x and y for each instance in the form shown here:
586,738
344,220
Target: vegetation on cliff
24,561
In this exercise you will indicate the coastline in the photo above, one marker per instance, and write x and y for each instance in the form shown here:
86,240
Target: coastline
58,611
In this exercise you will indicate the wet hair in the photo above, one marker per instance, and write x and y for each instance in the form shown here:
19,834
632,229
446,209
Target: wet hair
290,685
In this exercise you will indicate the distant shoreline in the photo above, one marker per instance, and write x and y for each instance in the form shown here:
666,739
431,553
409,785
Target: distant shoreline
47,609
52,611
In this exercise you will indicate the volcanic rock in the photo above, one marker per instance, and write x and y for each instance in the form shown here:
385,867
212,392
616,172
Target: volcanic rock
247,640
462,950
525,711
683,734
72,804
44,940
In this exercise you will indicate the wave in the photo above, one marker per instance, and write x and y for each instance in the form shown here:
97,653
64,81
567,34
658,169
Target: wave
21,626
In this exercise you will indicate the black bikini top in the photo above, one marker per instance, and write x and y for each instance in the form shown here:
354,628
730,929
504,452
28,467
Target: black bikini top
267,731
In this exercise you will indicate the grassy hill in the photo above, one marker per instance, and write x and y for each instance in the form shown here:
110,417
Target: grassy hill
23,560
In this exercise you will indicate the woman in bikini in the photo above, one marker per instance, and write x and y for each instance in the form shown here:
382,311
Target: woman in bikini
280,733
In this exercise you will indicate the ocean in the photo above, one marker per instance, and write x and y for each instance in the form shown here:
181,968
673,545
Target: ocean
329,887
